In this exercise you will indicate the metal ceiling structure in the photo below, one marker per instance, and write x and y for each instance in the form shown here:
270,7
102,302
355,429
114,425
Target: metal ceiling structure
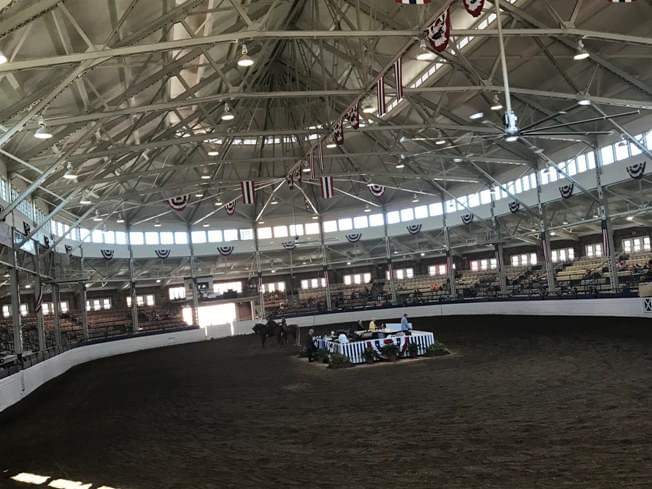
133,92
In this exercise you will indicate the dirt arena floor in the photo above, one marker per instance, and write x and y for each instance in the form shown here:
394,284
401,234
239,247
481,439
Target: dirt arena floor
524,403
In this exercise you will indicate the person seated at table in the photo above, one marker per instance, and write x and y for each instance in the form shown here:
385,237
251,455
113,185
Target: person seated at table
372,325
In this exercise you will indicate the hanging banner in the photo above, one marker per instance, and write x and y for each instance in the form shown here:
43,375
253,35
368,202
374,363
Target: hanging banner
289,245
230,208
474,7
162,254
179,203
467,218
376,190
514,206
637,170
354,237
566,191
438,34
225,250
413,229
107,254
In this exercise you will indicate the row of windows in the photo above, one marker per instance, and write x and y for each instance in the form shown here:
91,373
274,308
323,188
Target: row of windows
313,283
101,304
563,255
48,308
484,264
524,259
357,279
273,287
220,289
142,300
436,270
401,273
636,245
582,163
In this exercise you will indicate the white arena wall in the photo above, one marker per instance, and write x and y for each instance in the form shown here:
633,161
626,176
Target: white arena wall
18,386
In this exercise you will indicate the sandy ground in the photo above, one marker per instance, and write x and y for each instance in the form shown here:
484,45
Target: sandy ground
524,404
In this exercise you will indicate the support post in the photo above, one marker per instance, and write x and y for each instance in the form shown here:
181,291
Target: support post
259,273
608,245
193,280
544,235
84,312
56,306
388,256
132,284
38,301
450,259
498,247
324,262
16,319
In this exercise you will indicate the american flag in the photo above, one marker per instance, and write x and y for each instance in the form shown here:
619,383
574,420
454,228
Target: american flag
327,191
248,191
380,95
398,78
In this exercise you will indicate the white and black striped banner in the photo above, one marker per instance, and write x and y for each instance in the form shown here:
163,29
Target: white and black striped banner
248,188
380,97
566,191
467,218
637,170
353,116
413,229
354,237
326,185
289,245
514,206
398,78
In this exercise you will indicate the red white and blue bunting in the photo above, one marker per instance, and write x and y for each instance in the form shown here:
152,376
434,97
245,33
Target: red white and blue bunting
162,254
637,170
467,218
225,250
354,237
289,245
376,190
474,7
439,32
413,229
353,116
107,254
566,191
380,97
338,134
514,206
398,78
179,203
230,208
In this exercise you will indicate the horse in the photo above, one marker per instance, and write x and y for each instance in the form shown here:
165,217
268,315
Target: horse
263,330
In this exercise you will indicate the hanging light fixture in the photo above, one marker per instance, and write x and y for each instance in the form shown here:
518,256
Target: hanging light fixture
206,225
583,99
157,223
69,173
213,152
331,145
97,217
425,54
581,53
120,219
245,60
85,201
497,104
3,58
367,208
415,199
227,115
274,202
42,131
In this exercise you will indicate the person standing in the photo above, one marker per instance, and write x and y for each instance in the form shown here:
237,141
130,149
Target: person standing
310,344
372,325
405,325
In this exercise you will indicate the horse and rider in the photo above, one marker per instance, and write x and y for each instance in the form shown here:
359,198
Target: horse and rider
273,329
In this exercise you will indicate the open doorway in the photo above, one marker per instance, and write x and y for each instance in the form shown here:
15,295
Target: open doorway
213,314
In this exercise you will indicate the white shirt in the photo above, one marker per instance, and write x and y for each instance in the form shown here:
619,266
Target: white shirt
342,338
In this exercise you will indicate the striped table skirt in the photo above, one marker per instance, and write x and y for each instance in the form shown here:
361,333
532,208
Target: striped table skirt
354,350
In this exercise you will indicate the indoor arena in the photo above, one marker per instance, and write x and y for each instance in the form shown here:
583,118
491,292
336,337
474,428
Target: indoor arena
332,244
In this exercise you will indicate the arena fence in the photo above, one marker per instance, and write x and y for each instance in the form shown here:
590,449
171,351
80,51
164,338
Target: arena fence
355,351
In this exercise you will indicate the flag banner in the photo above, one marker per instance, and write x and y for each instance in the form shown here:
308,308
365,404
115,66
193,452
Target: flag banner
566,191
376,190
230,208
248,192
439,32
398,78
289,245
180,202
353,116
68,249
27,228
46,242
413,229
380,96
621,1
514,206
162,254
225,250
107,254
467,218
474,7
327,190
413,2
606,249
354,237
637,170
338,134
